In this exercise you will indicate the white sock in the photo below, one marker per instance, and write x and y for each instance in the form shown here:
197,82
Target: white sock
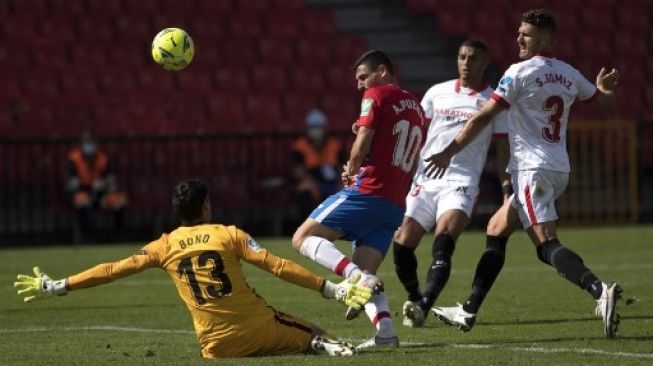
378,310
325,253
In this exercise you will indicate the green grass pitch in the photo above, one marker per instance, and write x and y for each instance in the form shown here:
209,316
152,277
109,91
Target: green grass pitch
532,316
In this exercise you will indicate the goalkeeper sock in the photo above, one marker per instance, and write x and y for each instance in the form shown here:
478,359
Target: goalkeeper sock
378,310
325,253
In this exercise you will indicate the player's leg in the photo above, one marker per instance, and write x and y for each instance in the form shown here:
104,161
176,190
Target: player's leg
539,216
337,217
369,258
369,251
406,239
503,223
449,226
419,218
315,241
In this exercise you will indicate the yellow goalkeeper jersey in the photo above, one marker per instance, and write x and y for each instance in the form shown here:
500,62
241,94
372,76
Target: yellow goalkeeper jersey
204,263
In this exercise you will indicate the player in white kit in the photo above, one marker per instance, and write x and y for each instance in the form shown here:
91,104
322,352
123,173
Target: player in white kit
446,205
536,94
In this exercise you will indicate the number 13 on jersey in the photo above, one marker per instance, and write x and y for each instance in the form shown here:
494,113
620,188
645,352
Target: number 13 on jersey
407,145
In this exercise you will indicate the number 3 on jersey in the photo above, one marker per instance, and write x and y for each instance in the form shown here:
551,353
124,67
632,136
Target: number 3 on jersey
187,268
556,105
407,145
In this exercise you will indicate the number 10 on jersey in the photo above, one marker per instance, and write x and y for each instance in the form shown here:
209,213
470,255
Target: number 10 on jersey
407,145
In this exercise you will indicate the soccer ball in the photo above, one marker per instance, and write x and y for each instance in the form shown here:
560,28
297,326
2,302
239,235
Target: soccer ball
173,49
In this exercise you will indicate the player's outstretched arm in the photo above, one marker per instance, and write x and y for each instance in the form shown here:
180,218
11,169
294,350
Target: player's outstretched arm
438,163
41,286
606,83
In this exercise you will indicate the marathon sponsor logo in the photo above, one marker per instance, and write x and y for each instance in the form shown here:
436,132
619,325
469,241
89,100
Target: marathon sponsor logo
454,113
553,79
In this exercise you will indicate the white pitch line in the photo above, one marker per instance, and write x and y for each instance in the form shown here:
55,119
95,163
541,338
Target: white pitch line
501,346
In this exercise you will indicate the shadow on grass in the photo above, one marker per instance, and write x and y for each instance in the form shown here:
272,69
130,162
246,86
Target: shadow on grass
557,321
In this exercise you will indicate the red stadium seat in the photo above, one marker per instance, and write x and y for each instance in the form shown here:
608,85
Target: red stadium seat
340,79
307,79
116,82
133,28
317,24
296,105
144,7
234,80
78,83
207,28
239,52
225,113
60,31
244,25
342,110
269,79
276,51
347,49
278,26
313,51
41,85
259,6
67,8
213,7
154,81
263,111
89,54
31,8
195,81
50,57
287,4
105,8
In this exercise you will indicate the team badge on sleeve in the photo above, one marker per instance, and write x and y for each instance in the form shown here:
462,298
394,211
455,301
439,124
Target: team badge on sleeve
253,245
366,106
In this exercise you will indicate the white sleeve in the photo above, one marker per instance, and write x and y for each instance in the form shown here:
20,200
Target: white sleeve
586,90
507,91
499,124
427,103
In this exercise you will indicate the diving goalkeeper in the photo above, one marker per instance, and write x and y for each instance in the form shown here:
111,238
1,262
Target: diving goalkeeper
203,260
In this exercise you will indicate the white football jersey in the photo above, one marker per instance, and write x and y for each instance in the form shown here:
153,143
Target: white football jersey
449,105
539,93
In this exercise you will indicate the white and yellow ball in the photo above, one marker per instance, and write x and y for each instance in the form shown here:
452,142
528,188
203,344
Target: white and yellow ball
173,49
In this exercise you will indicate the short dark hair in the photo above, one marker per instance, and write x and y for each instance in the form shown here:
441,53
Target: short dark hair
542,18
188,199
475,44
373,59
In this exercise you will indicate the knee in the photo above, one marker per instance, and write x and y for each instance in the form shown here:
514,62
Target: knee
408,236
496,226
297,240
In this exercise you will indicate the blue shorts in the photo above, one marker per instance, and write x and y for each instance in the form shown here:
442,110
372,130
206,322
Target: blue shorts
365,219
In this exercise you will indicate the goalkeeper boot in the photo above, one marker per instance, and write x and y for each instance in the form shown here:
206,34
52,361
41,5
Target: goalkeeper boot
413,314
455,316
377,341
606,308
332,347
370,281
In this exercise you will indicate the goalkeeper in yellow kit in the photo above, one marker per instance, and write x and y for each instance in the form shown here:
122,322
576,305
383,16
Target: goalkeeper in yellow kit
203,260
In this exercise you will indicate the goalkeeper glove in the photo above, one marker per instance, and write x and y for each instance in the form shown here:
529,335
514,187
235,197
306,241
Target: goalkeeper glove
39,287
348,292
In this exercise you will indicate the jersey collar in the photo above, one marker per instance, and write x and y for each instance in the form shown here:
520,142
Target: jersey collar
474,91
546,54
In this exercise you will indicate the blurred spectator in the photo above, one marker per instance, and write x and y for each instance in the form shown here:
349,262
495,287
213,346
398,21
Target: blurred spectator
317,159
92,186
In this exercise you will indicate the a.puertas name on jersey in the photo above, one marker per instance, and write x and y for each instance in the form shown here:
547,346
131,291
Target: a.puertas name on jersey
407,104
